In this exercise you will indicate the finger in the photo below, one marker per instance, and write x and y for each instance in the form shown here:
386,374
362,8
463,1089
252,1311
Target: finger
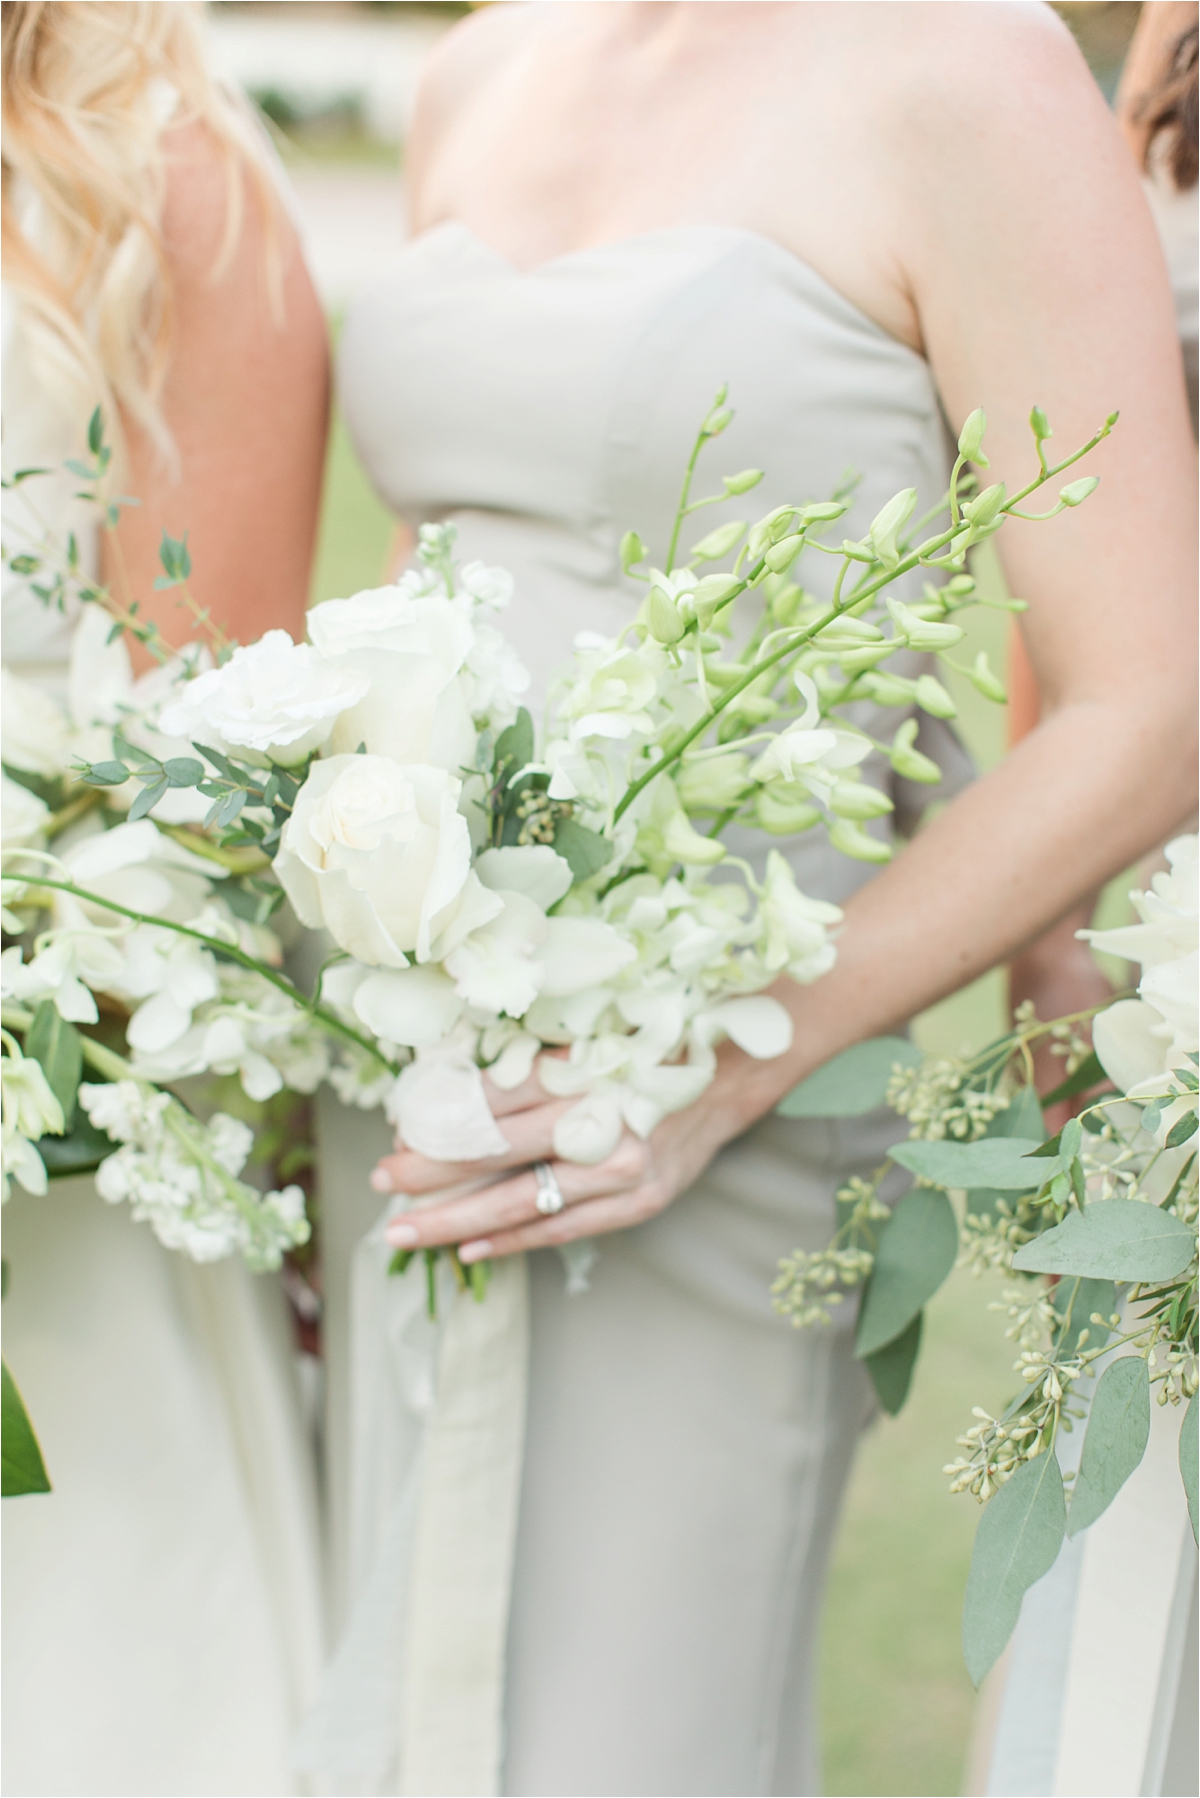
530,1135
508,1203
594,1217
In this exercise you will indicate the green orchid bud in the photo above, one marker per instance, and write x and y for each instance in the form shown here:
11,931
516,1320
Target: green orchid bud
633,550
855,799
985,508
970,439
717,421
848,838
863,655
784,808
823,511
786,602
962,586
887,689
770,529
683,844
848,629
908,761
1076,492
1039,424
857,552
723,674
742,483
748,710
713,783
662,616
985,682
888,523
933,698
718,543
711,594
781,555
921,633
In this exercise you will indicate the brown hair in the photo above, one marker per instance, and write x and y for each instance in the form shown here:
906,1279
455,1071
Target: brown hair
1170,113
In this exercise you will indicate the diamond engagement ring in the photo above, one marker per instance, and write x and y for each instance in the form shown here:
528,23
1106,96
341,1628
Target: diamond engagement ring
549,1200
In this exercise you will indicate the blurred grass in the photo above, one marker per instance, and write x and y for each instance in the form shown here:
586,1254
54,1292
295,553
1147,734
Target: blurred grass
895,1701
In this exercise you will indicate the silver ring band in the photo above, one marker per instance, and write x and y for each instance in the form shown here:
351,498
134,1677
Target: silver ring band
549,1200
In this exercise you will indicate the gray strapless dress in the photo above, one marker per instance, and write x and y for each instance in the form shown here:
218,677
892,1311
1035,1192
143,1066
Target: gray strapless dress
685,1449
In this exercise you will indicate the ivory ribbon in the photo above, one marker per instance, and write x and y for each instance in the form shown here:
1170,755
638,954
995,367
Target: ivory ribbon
413,1700
452,1690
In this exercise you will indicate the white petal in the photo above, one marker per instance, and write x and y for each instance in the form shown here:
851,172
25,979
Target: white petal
580,953
440,1109
1124,1040
759,1025
533,869
591,1130
413,1006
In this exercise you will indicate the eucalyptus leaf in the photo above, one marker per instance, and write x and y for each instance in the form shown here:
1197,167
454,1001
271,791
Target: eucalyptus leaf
1114,1239
916,1252
148,798
1075,1301
1022,1116
1117,1433
1001,1162
515,743
891,1367
585,851
854,1082
22,1469
1018,1539
1182,1130
1188,1455
80,1151
55,1043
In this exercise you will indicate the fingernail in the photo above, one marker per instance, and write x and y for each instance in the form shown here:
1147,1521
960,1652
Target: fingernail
402,1235
381,1180
475,1251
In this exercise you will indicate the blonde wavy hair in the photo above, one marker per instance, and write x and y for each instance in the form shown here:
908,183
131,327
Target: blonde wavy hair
88,88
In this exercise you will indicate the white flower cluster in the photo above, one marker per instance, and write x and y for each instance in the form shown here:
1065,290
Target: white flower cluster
180,1176
1143,1042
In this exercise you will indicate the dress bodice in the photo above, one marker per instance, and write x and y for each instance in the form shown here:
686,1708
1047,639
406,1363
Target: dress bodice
548,411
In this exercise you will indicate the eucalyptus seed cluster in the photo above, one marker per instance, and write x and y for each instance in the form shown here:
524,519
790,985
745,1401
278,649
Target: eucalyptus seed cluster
938,1100
809,1284
1030,1312
996,1449
988,1241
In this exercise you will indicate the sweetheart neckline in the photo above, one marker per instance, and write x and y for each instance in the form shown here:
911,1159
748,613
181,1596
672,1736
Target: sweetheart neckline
612,244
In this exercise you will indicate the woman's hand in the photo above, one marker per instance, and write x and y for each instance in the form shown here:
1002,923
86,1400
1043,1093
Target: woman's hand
638,1180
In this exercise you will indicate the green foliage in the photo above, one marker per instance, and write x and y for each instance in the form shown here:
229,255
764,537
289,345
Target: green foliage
1018,1539
1121,1239
891,1367
176,560
22,1469
80,1151
1117,1433
55,1043
1189,1449
854,1082
584,851
1076,1303
1000,1162
916,1252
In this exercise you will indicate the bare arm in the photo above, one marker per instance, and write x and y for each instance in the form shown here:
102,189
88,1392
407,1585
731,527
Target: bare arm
246,401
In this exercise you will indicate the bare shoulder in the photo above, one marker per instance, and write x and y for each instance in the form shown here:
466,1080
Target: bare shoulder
470,56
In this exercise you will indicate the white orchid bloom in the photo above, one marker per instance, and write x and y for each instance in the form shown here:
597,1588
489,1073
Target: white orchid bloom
795,928
440,1109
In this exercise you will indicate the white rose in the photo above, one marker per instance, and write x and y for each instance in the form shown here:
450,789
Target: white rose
380,856
411,652
274,699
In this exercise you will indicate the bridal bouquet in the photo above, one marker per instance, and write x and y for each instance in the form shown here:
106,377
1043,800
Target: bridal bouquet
487,890
1108,1206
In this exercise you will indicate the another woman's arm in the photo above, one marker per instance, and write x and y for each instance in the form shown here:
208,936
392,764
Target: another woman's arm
246,401
1032,266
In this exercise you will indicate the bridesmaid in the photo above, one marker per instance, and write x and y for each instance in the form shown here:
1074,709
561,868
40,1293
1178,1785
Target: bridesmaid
161,1604
869,220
